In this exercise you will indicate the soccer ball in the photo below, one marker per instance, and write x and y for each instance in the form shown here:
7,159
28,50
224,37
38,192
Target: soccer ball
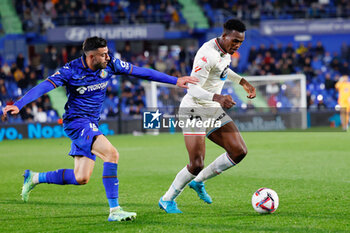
265,201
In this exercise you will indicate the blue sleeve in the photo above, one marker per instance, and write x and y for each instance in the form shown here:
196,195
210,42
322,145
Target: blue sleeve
153,75
35,93
60,78
122,67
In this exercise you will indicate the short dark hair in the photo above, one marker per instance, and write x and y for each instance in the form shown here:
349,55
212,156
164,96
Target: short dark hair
93,43
234,24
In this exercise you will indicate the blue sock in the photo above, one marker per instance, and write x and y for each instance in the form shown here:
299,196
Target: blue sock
61,176
111,183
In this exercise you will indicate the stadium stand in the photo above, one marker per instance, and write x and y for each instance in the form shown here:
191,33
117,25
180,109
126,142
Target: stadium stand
38,16
254,11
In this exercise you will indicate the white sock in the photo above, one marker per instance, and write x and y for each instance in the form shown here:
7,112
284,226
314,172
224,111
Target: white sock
36,178
220,164
182,178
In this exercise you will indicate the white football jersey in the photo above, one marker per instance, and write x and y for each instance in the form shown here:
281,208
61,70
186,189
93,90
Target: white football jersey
210,66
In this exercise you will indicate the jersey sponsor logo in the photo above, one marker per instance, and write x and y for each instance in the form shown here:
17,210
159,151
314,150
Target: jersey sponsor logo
223,75
103,74
81,90
99,86
197,68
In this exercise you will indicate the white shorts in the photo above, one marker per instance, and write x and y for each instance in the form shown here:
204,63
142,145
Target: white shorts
199,119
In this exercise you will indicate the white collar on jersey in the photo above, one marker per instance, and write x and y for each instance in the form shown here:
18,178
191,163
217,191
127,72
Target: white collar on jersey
218,48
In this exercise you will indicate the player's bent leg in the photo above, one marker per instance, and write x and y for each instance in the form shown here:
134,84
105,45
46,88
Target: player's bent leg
230,139
60,176
28,184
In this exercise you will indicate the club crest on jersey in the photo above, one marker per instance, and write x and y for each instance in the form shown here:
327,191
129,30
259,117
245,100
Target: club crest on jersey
103,74
81,90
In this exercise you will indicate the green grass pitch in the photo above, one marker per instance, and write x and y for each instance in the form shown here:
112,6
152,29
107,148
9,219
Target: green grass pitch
310,171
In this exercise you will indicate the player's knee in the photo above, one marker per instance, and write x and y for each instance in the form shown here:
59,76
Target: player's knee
196,165
82,179
237,154
112,155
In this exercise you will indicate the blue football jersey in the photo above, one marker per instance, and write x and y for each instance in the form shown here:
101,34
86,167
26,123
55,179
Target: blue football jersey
86,89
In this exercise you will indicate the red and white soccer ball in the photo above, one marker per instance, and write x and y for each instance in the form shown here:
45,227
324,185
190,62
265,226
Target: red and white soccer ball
265,201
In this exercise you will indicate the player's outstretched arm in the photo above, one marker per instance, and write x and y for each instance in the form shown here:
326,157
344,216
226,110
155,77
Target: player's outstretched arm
248,88
154,75
30,96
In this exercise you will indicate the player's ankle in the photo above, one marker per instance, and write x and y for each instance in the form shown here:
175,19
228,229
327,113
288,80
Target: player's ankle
114,209
35,178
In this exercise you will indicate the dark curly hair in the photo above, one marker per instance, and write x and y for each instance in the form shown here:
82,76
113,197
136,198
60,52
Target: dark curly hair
93,43
234,25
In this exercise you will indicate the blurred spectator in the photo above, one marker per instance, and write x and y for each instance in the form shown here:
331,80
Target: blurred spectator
18,75
6,69
40,115
319,49
74,53
329,83
53,61
126,53
20,61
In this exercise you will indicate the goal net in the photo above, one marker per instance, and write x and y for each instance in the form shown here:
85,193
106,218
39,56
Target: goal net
280,102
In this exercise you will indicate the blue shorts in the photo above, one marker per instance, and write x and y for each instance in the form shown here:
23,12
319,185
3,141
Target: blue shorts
82,133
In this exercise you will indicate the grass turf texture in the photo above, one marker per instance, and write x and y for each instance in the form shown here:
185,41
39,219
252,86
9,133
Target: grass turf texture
309,171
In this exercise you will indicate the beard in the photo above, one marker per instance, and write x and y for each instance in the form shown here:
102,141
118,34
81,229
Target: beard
100,65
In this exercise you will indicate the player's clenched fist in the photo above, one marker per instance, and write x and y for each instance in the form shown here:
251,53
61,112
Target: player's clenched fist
225,101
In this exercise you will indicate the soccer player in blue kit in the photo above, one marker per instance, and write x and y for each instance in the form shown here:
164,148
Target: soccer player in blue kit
86,79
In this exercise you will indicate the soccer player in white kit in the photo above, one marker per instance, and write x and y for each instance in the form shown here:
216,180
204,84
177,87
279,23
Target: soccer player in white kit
204,101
